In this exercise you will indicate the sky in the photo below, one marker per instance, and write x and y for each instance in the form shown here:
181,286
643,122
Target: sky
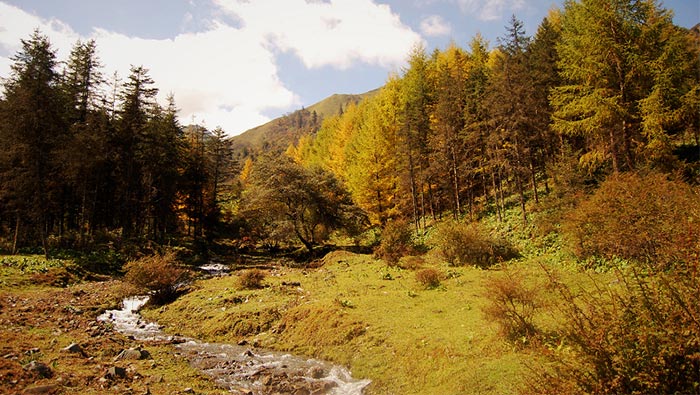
240,63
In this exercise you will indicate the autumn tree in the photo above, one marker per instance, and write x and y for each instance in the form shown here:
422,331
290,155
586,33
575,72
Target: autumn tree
283,195
372,155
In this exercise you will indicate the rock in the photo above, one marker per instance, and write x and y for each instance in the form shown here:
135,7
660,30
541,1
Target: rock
316,372
115,372
42,390
267,381
188,391
38,368
242,342
73,348
32,351
132,354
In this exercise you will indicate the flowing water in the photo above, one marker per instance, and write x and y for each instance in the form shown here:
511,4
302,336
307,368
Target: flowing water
239,367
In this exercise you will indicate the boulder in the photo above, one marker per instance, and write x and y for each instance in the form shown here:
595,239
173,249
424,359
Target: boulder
73,348
38,368
132,354
115,372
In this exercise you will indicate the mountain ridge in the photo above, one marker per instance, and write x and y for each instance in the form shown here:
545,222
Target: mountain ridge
279,133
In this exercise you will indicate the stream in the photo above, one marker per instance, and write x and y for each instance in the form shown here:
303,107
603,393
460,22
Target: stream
241,368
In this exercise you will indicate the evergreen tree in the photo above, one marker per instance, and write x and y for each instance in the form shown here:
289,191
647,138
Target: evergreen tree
32,128
138,104
510,91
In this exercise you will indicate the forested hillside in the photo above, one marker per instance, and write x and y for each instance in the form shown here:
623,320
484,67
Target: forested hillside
279,133
516,217
462,129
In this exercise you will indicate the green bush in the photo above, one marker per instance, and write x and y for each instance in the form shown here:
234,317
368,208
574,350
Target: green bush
251,279
470,244
158,274
645,218
396,242
637,335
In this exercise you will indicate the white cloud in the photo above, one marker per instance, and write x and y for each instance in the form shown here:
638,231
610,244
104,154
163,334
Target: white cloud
490,10
17,25
227,76
335,33
435,25
223,77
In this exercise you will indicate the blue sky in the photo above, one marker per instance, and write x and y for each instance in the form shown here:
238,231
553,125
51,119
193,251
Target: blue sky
238,64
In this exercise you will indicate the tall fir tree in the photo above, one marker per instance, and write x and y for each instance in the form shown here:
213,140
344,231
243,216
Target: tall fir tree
33,127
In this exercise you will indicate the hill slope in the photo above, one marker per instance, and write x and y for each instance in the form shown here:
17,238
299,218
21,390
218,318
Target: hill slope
279,133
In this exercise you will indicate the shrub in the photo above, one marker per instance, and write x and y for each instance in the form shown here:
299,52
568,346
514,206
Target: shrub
396,242
411,262
430,278
251,279
469,243
645,218
158,274
512,305
638,336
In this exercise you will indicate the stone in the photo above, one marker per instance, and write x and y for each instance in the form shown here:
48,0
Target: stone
115,372
42,390
188,390
39,368
316,372
73,348
132,354
267,381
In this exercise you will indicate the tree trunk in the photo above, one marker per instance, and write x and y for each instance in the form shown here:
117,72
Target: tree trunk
455,184
14,239
533,175
521,192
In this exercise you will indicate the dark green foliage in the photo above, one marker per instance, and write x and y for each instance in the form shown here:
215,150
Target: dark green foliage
77,164
31,131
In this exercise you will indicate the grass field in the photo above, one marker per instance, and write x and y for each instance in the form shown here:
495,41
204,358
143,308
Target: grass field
378,320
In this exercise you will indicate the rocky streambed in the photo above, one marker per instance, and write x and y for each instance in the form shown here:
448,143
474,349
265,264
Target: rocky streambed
241,368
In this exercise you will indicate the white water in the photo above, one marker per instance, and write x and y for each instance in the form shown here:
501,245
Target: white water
234,366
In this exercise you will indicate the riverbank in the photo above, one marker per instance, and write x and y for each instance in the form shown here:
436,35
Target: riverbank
51,342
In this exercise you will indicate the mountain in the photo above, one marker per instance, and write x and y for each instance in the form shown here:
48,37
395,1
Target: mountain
278,134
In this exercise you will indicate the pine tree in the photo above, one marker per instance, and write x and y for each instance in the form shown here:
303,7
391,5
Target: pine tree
138,104
510,90
32,129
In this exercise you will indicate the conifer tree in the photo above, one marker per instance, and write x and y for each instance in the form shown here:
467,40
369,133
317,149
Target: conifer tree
32,128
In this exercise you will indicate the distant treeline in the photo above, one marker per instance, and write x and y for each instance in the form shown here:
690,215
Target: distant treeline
84,156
